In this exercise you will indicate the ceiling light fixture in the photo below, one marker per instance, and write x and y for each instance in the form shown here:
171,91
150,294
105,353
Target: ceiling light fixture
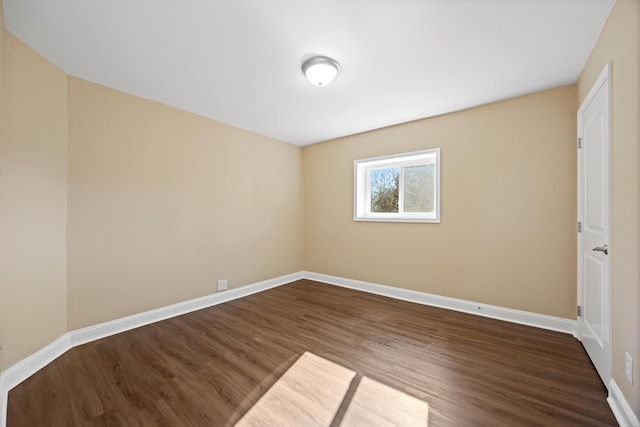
320,70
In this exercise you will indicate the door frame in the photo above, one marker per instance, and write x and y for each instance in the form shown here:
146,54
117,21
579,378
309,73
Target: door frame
603,79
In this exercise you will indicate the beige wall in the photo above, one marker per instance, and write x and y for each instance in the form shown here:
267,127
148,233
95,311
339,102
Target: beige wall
507,235
619,44
33,202
163,203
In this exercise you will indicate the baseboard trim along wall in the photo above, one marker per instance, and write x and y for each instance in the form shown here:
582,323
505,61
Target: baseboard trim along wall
558,324
620,407
96,332
32,364
27,367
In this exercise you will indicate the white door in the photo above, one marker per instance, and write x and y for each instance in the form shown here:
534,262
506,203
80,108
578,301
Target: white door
593,215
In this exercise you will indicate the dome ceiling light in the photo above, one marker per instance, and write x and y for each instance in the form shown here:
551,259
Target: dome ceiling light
320,70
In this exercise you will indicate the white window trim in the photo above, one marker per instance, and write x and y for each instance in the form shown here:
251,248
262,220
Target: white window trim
362,190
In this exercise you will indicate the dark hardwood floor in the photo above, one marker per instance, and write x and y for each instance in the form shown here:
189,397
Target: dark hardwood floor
209,367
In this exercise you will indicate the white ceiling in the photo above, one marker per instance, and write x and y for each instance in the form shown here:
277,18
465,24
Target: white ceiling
238,61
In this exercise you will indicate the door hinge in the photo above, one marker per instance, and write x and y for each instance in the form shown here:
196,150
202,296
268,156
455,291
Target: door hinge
579,311
579,227
579,142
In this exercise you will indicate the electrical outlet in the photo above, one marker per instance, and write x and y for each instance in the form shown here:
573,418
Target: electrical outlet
222,285
628,368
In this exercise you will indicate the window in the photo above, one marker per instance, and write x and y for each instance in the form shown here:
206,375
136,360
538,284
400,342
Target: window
400,188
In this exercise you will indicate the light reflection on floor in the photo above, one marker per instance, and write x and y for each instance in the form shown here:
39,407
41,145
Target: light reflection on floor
313,389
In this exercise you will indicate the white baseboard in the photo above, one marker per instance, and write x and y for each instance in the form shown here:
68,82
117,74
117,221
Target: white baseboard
27,367
3,401
620,407
552,323
102,330
32,364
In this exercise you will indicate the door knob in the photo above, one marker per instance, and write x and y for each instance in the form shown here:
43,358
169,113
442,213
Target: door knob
604,249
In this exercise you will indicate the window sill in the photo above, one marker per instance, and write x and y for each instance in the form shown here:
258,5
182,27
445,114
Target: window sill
415,220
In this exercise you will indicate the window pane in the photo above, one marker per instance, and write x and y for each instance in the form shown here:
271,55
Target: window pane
419,186
385,185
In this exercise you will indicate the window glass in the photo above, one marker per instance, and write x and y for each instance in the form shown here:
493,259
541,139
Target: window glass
384,189
419,191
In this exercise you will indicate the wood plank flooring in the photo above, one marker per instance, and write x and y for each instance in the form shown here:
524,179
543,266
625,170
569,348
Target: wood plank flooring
208,368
